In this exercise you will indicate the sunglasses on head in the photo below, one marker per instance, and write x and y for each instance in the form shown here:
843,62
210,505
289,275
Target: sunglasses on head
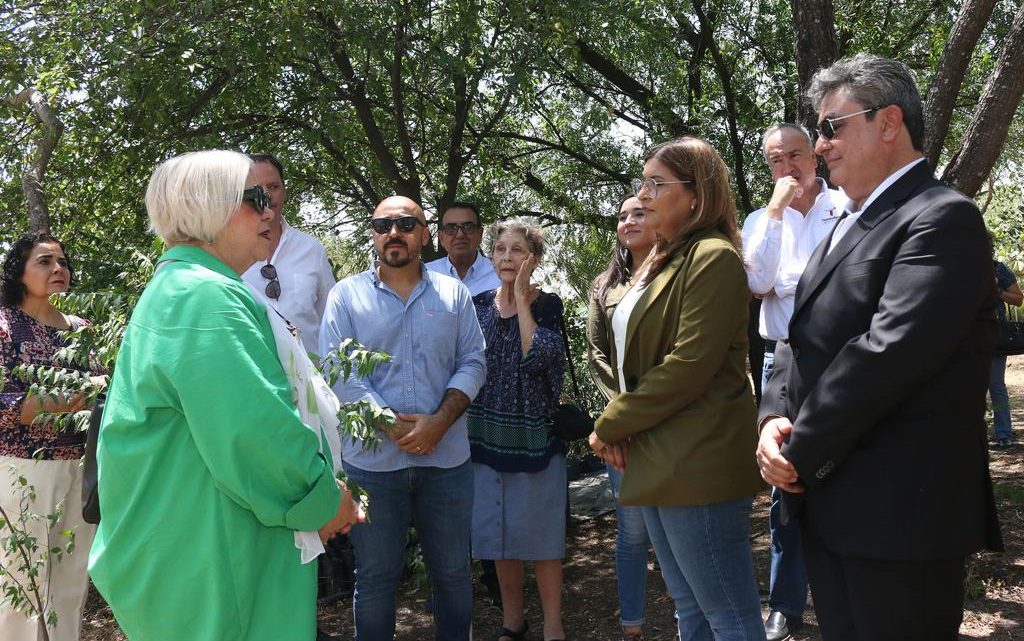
828,128
257,197
405,224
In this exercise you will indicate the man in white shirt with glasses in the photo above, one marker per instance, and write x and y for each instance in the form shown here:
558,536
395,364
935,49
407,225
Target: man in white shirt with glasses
297,277
460,233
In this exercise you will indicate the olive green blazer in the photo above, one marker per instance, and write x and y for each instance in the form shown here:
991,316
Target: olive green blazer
688,411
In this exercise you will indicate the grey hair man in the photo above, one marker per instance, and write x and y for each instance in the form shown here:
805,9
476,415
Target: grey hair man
873,423
778,240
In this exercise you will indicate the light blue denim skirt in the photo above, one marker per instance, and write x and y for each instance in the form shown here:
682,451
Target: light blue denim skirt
520,515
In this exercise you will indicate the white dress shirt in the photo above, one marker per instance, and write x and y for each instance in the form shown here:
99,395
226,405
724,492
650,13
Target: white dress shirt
306,280
776,252
844,226
480,277
620,322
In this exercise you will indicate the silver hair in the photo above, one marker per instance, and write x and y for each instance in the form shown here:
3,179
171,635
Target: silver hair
191,197
874,82
799,129
531,231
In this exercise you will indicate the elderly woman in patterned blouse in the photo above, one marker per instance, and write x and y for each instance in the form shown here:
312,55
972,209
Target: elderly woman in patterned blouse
35,269
519,466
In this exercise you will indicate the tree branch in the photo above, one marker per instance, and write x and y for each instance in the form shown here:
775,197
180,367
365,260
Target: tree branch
51,129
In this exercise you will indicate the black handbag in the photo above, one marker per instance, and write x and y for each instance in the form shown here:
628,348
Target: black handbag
570,421
1010,339
90,488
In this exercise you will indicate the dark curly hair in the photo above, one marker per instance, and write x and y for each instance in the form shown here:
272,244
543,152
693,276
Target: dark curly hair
12,290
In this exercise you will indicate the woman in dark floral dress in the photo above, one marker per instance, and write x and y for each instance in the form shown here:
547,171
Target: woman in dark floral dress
30,326
519,466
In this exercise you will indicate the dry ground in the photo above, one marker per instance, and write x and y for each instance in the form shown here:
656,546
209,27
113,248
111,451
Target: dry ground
994,608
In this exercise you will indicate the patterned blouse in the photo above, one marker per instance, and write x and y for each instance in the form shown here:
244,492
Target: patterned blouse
26,341
508,428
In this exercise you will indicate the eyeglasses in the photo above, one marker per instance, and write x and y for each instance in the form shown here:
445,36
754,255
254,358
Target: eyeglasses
405,224
452,229
257,197
650,185
273,289
828,129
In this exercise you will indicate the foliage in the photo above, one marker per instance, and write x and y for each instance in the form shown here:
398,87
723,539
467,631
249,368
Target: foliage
23,560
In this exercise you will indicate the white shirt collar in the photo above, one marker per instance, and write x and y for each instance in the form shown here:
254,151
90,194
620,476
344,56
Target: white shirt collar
885,184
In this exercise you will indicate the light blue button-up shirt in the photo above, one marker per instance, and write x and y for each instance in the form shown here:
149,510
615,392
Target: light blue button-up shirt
435,343
480,277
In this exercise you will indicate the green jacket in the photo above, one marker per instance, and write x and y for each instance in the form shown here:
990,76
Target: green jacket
688,411
205,469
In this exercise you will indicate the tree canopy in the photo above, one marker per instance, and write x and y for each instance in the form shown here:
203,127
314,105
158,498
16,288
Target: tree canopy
532,108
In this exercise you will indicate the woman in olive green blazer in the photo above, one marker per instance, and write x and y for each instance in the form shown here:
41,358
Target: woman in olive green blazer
683,429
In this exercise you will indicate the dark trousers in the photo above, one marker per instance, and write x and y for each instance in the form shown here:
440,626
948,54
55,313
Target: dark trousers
858,599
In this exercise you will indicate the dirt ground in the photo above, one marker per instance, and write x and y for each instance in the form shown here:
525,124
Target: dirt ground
994,607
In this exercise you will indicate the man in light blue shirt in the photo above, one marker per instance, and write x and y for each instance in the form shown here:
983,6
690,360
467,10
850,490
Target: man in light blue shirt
460,233
421,474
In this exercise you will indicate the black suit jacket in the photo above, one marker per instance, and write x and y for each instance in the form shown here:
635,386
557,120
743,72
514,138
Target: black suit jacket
884,377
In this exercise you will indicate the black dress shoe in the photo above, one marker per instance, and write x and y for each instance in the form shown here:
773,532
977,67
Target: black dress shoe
323,636
780,627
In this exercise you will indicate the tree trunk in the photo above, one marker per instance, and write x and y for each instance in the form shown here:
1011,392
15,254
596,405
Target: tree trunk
815,47
949,76
983,141
51,129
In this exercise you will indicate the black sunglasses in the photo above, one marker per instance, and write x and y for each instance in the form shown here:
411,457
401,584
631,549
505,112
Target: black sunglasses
257,197
451,229
827,128
405,224
273,289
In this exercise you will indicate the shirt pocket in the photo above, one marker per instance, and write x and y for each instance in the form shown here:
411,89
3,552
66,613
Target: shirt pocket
438,337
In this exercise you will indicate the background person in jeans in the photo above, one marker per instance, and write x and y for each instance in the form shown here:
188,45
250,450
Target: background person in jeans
682,423
421,474
634,240
1002,427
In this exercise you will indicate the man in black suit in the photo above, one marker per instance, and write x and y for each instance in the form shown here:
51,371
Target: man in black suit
873,422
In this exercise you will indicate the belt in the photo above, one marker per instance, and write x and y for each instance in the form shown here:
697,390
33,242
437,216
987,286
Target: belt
769,345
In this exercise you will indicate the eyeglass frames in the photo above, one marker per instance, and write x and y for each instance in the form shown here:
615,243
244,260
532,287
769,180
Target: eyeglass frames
650,185
257,197
405,224
273,289
451,229
827,128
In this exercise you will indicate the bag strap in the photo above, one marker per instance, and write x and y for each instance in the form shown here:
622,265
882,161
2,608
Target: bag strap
568,362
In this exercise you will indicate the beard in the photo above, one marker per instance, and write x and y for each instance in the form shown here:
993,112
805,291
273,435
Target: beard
395,258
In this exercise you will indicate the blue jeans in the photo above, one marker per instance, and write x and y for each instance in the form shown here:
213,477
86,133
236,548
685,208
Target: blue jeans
787,591
1001,425
439,503
631,545
708,567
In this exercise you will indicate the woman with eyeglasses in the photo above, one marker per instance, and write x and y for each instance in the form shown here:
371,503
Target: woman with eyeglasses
31,334
211,482
682,424
633,243
520,488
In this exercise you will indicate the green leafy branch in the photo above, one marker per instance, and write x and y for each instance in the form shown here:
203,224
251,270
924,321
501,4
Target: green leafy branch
23,562
361,421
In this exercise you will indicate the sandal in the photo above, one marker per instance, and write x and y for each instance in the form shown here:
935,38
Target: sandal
504,633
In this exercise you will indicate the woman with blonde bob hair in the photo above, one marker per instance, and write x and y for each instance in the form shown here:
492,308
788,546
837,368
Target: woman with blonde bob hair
681,425
211,482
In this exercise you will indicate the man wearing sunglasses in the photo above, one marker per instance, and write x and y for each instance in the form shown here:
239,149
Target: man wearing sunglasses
873,422
421,474
777,242
297,277
460,233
